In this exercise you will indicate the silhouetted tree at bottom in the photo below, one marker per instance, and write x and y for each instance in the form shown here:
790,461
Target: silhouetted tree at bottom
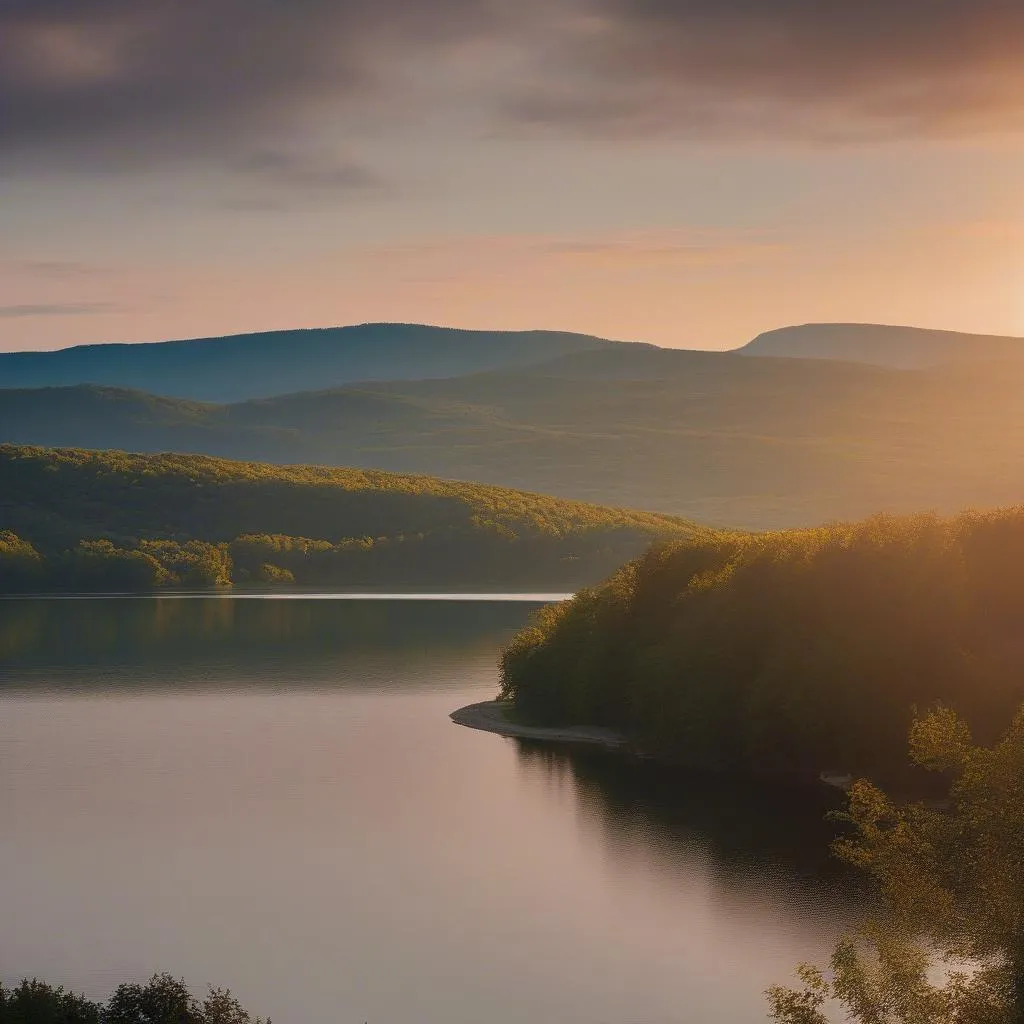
950,948
162,1000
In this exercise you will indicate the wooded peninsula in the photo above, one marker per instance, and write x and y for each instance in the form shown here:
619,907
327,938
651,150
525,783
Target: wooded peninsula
786,653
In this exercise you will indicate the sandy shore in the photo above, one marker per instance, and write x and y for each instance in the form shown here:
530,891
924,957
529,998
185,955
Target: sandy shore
490,717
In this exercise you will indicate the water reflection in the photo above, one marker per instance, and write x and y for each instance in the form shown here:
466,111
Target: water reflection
753,843
223,644
270,796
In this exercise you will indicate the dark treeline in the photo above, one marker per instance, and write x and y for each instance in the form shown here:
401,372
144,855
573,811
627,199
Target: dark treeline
162,1000
87,521
792,652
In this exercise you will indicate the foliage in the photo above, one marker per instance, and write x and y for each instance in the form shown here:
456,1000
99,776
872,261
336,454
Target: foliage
98,565
952,878
78,520
162,1000
788,652
34,1002
22,565
883,977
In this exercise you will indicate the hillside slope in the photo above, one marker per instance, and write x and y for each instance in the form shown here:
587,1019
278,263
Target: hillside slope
901,347
275,362
158,519
791,652
722,438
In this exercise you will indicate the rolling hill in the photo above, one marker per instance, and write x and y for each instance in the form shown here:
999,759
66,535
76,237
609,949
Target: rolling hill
717,437
902,347
90,520
253,365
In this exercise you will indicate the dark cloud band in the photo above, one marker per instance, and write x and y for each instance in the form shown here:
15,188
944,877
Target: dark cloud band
26,310
123,79
819,68
119,81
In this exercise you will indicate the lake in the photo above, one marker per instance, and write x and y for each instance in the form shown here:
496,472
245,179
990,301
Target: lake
268,795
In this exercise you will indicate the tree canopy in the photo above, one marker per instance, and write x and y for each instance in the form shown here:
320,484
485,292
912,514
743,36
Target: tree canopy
80,520
792,652
162,1000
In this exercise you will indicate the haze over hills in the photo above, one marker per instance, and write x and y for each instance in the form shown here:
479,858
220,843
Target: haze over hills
716,437
244,366
901,347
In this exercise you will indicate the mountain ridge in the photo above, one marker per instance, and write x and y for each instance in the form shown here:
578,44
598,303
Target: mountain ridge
261,364
883,344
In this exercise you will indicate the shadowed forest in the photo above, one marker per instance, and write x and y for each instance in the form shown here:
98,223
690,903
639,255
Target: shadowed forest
787,653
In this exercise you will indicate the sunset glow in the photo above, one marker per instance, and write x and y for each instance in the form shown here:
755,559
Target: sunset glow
588,165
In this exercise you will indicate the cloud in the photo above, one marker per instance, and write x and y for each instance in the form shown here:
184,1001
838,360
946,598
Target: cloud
118,82
54,269
247,84
675,250
679,248
26,310
819,69
318,171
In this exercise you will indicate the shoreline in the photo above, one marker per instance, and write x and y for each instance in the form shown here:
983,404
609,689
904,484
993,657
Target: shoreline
489,716
234,593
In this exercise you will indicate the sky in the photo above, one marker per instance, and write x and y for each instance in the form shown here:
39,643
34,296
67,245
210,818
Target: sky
687,172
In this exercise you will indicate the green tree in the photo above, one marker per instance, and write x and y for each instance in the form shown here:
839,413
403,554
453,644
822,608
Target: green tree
167,1000
951,875
206,565
162,1000
274,574
97,565
34,1002
221,1007
21,566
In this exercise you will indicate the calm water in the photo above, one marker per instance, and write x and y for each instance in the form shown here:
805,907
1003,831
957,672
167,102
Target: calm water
268,795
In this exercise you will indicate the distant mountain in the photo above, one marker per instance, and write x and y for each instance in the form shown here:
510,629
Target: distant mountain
900,347
244,366
716,437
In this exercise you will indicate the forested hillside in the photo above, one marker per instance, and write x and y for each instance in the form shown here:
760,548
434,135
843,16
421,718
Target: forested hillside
726,439
244,366
83,520
792,652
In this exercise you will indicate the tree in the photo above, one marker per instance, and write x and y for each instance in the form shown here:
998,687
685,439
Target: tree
21,566
97,565
167,1000
34,1002
951,875
270,573
162,1000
